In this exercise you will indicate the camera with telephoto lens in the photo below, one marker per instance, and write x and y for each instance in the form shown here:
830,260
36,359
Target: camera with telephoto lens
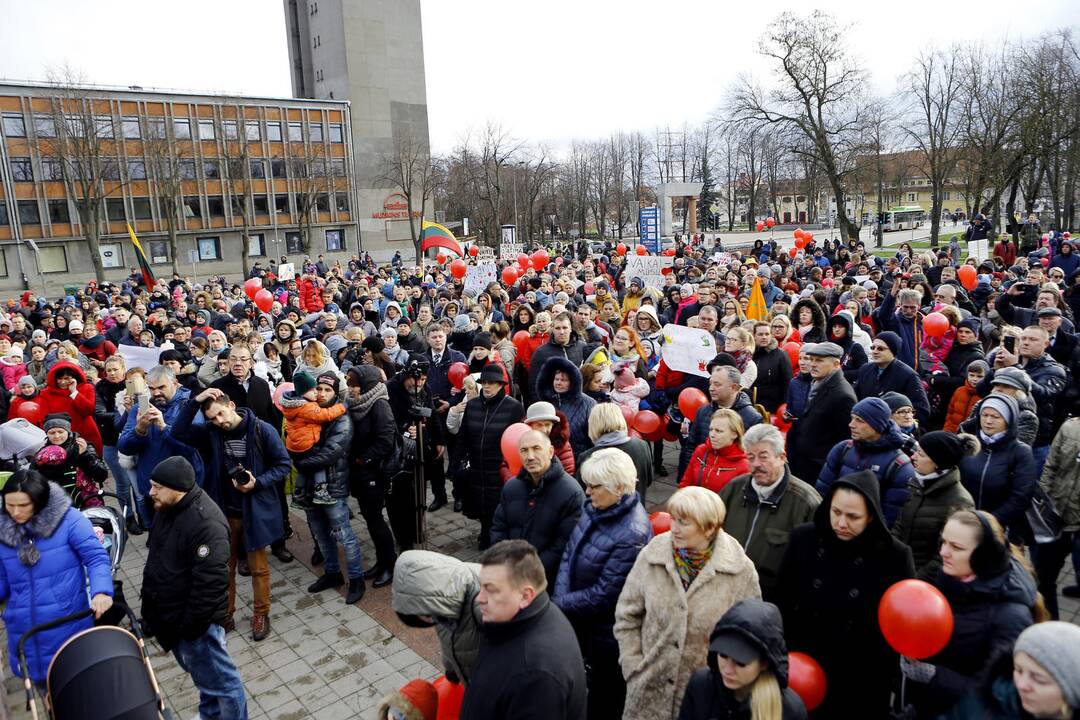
415,369
238,475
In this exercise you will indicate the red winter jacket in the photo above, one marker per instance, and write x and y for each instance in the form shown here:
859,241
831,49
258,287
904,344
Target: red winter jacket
310,295
715,468
79,408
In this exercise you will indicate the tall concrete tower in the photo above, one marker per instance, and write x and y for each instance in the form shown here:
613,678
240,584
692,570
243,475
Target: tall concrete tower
371,53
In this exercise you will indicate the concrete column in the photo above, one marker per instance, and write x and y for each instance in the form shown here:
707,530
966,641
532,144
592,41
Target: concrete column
691,214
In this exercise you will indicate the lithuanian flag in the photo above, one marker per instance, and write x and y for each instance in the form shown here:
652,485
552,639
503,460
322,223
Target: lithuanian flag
435,235
756,309
144,265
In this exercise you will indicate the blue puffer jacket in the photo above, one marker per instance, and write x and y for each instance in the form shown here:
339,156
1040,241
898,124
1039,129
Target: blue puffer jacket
158,444
575,404
601,551
1001,478
55,585
884,457
267,460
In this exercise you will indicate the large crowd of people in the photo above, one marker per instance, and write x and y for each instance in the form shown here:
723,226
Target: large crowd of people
869,416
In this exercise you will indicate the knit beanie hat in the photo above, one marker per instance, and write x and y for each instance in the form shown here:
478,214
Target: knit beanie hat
977,366
374,344
892,340
27,380
303,382
174,472
330,379
417,700
875,412
482,339
971,324
57,420
896,400
1055,646
997,402
461,322
947,449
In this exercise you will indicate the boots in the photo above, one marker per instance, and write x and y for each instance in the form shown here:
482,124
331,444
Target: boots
326,582
356,590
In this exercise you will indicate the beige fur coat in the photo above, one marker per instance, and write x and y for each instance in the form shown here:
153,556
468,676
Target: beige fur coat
663,631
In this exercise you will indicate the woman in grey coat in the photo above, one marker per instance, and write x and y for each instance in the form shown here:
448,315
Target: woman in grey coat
435,590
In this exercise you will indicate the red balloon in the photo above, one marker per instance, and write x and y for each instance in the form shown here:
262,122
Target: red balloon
1046,237
264,300
778,420
798,232
915,619
524,262
457,268
440,258
792,349
451,695
759,226
808,236
800,242
1066,235
540,260
669,252
661,522
456,374
473,251
279,391
521,336
807,679
29,410
665,270
668,430
935,324
509,445
690,401
828,282
646,422
793,252
770,221
968,277
628,415
621,248
509,275
641,250
252,286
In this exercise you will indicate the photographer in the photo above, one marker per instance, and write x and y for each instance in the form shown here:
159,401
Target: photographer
244,460
414,410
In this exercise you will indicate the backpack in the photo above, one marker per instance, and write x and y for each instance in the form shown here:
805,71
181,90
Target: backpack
898,461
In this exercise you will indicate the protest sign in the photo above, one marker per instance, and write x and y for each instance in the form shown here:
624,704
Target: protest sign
139,357
688,349
479,276
286,272
647,267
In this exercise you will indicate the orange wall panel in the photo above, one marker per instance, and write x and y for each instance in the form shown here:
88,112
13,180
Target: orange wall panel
9,102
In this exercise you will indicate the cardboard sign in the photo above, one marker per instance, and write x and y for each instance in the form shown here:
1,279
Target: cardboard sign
510,250
688,349
647,267
139,357
286,272
479,276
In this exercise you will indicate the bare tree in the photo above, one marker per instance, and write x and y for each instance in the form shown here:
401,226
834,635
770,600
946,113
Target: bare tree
409,168
817,95
78,135
310,176
236,179
164,167
934,125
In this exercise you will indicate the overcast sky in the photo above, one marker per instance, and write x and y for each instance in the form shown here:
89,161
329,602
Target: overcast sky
547,71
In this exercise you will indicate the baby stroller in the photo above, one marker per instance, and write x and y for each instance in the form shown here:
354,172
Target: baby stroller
103,672
108,524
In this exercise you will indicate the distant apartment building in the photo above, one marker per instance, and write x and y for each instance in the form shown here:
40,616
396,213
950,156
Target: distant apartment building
284,165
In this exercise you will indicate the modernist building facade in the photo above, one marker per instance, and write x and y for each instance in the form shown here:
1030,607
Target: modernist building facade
298,154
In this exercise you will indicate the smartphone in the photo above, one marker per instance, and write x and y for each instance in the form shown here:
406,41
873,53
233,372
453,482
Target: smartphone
1009,342
144,403
1022,287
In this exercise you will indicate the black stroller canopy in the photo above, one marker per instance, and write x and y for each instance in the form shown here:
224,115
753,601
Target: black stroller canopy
99,674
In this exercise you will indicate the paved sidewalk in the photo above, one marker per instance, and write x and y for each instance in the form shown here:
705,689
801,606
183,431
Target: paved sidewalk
324,659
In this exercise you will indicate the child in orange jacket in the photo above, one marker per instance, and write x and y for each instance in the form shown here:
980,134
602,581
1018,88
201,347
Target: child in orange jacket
304,421
965,397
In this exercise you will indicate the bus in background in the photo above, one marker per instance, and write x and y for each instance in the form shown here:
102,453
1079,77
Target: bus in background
902,218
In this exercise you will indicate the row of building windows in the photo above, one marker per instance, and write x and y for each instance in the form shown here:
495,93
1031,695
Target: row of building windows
140,208
22,169
132,128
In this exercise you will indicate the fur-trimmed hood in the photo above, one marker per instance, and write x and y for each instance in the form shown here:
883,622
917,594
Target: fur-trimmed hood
44,522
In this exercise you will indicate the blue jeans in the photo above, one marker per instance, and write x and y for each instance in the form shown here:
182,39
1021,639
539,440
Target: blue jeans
124,479
329,524
1040,455
214,674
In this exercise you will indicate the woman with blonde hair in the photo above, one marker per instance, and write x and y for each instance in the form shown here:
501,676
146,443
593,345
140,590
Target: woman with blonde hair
781,329
681,584
739,344
732,315
747,675
721,458
607,429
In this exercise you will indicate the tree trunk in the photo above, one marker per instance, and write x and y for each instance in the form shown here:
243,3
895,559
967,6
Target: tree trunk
173,246
89,221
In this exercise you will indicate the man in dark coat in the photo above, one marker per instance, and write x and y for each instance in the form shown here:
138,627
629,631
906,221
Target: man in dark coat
480,426
773,369
244,458
529,664
885,373
814,433
185,586
330,523
825,588
541,504
248,390
563,343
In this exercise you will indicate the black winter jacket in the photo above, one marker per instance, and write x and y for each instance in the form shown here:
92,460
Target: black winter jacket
822,425
896,377
831,588
544,514
374,435
773,377
186,577
401,400
574,351
481,432
331,454
529,668
105,411
929,504
1047,385
256,397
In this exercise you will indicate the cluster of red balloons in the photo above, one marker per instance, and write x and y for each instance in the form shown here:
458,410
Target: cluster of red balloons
768,222
263,298
803,238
